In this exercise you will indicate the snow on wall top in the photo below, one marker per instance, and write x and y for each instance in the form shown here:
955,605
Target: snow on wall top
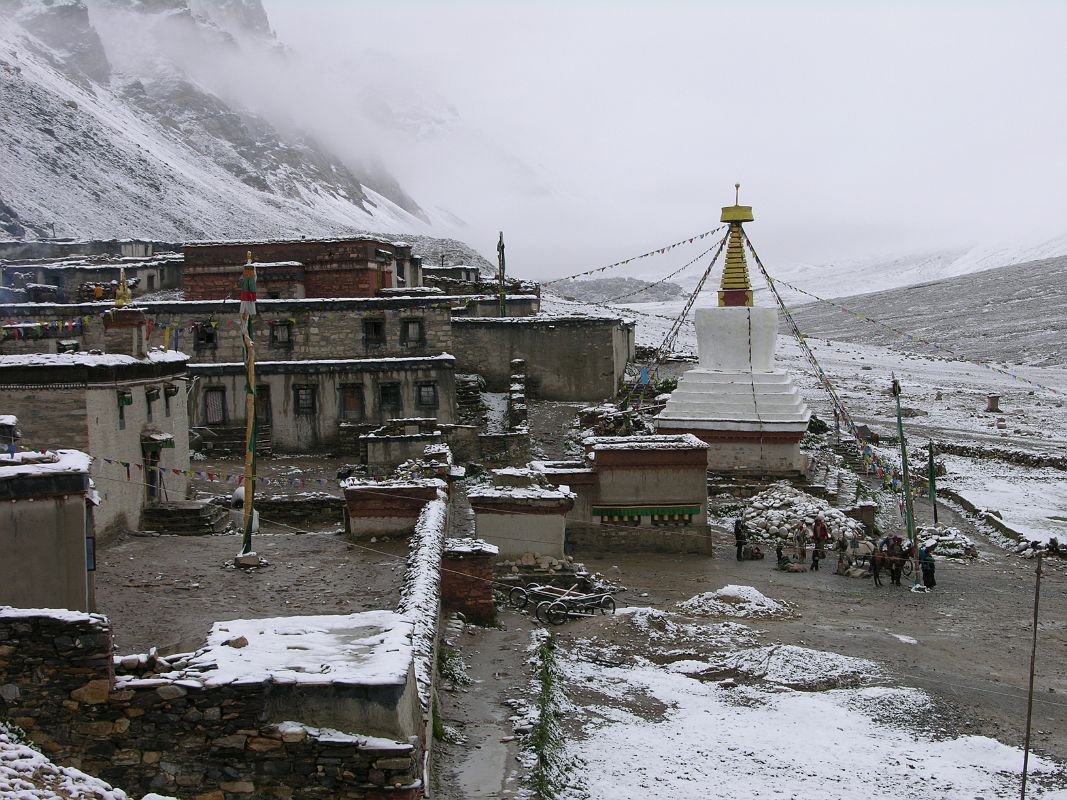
56,614
368,648
9,420
420,599
681,441
25,464
26,773
469,545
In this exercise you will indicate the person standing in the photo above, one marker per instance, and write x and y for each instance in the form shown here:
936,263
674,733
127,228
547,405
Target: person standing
739,538
926,563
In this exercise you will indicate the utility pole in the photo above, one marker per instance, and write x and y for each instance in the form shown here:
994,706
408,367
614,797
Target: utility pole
909,515
1030,693
500,273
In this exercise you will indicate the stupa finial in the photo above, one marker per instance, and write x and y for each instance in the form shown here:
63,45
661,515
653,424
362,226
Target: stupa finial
736,290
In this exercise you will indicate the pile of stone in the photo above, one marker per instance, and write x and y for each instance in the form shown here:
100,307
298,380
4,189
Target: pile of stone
951,543
778,512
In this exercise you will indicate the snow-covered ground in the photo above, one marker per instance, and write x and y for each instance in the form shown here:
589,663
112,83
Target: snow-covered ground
764,739
1032,501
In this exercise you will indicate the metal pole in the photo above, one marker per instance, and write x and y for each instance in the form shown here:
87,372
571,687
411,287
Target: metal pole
909,516
1030,693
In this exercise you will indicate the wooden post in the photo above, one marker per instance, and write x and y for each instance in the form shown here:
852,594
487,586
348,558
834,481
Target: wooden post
1030,693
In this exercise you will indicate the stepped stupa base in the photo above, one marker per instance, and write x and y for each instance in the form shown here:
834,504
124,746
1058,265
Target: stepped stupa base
743,452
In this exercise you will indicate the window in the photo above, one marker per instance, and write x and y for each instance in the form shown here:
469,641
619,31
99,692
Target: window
304,400
351,401
389,396
215,405
125,398
281,334
426,395
151,282
205,336
412,332
169,390
374,332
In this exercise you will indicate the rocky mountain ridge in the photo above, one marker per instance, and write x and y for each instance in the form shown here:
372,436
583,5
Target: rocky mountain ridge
112,123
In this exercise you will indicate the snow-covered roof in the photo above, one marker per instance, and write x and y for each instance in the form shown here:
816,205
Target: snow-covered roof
681,441
296,365
271,264
82,359
56,614
394,483
9,420
368,648
31,463
487,492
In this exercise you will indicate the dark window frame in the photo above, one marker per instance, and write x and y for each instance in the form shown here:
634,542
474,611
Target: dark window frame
275,341
405,337
305,409
377,340
205,336
391,386
343,411
432,385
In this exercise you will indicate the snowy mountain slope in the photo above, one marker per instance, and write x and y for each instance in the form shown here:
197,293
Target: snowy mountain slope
1016,314
84,147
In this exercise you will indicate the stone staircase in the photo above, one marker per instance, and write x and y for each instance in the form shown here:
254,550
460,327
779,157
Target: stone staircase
469,407
231,439
186,518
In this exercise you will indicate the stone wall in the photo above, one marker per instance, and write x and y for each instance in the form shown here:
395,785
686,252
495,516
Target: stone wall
623,539
504,449
175,737
567,358
302,510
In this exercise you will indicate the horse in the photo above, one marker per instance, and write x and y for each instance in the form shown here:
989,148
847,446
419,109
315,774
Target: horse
895,558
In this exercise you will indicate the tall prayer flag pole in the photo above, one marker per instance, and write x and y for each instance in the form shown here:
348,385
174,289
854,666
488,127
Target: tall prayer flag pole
500,275
931,479
248,310
909,515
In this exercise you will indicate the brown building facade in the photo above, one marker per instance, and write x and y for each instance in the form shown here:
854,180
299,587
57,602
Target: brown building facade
356,267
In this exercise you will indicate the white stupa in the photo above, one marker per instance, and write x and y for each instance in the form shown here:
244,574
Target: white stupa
737,401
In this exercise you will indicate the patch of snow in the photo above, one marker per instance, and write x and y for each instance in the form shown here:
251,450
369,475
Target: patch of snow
734,601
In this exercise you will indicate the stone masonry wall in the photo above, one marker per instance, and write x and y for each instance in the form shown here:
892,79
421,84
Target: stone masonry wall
567,358
319,329
467,585
178,737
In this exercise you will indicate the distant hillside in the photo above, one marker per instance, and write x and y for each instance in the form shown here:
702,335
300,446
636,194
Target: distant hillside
601,290
1016,314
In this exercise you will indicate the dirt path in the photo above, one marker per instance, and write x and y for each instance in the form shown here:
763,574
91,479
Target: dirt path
166,591
485,763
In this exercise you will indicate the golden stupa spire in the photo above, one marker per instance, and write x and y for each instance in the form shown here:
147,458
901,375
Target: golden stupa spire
735,289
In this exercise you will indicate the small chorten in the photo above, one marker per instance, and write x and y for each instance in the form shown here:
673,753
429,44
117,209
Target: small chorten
737,400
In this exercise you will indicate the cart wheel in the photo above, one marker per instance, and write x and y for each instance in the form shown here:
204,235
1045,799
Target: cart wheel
556,613
607,605
539,611
518,598
907,567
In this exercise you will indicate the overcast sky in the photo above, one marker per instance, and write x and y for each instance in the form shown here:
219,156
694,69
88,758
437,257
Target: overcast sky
589,131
